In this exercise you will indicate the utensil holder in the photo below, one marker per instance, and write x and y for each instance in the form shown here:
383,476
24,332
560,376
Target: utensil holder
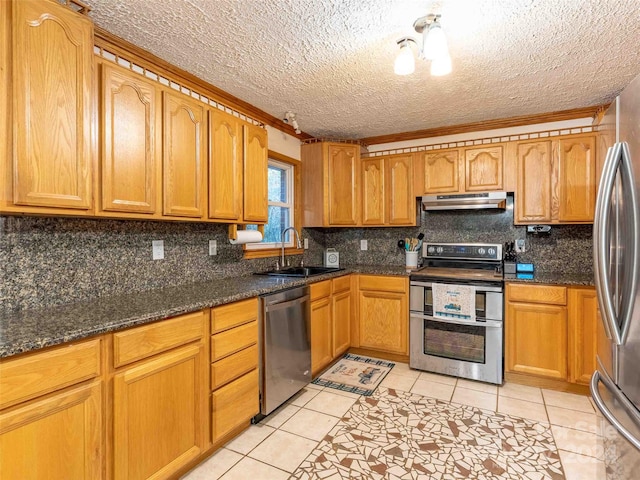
412,259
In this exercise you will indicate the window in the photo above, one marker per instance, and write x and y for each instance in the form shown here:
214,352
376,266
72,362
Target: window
282,183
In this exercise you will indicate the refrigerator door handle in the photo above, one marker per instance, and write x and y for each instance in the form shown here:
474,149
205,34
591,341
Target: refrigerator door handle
595,394
630,201
601,226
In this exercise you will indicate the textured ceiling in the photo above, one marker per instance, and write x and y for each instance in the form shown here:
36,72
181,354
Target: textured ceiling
331,62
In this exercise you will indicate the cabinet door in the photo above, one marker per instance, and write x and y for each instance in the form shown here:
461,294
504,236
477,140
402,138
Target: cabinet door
128,150
321,341
256,156
159,414
576,179
483,169
583,320
59,436
225,166
341,316
383,321
533,196
52,105
344,188
373,191
184,153
400,202
441,171
536,340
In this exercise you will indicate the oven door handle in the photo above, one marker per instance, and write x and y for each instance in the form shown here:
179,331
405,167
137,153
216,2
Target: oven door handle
479,288
456,321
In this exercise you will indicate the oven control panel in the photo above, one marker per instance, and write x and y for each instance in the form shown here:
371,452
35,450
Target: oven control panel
463,251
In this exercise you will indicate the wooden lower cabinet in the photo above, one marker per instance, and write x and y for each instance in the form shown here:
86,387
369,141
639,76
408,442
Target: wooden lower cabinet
383,313
536,339
341,322
51,407
235,393
321,349
159,407
550,331
55,437
583,320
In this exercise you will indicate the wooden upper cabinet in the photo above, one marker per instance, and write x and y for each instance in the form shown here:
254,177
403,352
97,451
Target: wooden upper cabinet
373,191
483,169
399,199
441,172
184,156
129,150
52,105
343,188
256,156
533,195
576,179
225,166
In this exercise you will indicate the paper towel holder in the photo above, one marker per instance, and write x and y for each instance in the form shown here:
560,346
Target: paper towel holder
233,230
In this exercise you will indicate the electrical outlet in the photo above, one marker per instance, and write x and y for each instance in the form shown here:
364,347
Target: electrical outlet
213,247
364,245
158,249
306,243
520,245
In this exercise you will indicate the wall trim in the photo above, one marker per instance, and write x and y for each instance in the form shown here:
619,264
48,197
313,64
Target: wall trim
486,125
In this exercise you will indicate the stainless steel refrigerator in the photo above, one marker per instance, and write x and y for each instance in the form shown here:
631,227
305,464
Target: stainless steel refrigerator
615,386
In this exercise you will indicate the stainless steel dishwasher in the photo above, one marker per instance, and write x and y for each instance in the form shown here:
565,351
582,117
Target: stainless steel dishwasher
285,346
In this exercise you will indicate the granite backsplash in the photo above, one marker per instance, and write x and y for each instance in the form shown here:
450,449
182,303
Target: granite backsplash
53,261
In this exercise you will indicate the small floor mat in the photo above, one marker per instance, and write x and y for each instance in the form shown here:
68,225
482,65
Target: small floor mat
357,374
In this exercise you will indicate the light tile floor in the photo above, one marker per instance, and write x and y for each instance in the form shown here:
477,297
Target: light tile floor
329,434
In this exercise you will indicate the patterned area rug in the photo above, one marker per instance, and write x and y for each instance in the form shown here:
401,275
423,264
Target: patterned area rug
396,435
357,374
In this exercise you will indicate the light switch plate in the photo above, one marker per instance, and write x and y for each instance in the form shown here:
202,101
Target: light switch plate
158,249
213,247
306,243
520,245
364,245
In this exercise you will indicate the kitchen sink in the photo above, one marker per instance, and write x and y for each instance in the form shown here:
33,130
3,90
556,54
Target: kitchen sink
300,271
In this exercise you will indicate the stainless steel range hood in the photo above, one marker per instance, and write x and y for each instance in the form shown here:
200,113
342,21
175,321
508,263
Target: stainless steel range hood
465,201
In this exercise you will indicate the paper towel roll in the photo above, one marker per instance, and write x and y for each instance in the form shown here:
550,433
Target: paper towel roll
246,236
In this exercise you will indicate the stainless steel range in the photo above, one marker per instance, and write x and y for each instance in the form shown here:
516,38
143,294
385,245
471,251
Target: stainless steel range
457,310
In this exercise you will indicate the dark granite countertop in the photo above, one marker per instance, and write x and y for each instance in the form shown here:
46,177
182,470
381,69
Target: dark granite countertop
27,330
556,278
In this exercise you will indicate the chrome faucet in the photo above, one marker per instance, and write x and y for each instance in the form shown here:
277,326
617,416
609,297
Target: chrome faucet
299,245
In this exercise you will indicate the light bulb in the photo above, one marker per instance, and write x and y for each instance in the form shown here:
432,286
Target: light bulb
441,66
435,43
405,63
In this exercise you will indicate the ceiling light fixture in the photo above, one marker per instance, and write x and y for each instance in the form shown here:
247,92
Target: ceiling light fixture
434,48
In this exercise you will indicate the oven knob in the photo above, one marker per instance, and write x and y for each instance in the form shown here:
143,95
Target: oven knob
492,251
431,249
481,251
439,249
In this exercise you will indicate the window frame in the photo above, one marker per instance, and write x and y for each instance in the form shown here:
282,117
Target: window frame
257,251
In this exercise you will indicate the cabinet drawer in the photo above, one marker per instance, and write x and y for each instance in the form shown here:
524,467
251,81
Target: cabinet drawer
230,341
341,284
36,374
233,314
142,342
232,367
320,290
383,283
547,294
234,404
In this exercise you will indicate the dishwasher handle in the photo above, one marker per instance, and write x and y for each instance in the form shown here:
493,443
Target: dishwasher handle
283,305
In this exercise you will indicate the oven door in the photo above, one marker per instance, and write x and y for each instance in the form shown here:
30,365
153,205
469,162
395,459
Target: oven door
468,349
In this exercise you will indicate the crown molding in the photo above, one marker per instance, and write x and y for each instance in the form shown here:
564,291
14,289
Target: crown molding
487,125
133,53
